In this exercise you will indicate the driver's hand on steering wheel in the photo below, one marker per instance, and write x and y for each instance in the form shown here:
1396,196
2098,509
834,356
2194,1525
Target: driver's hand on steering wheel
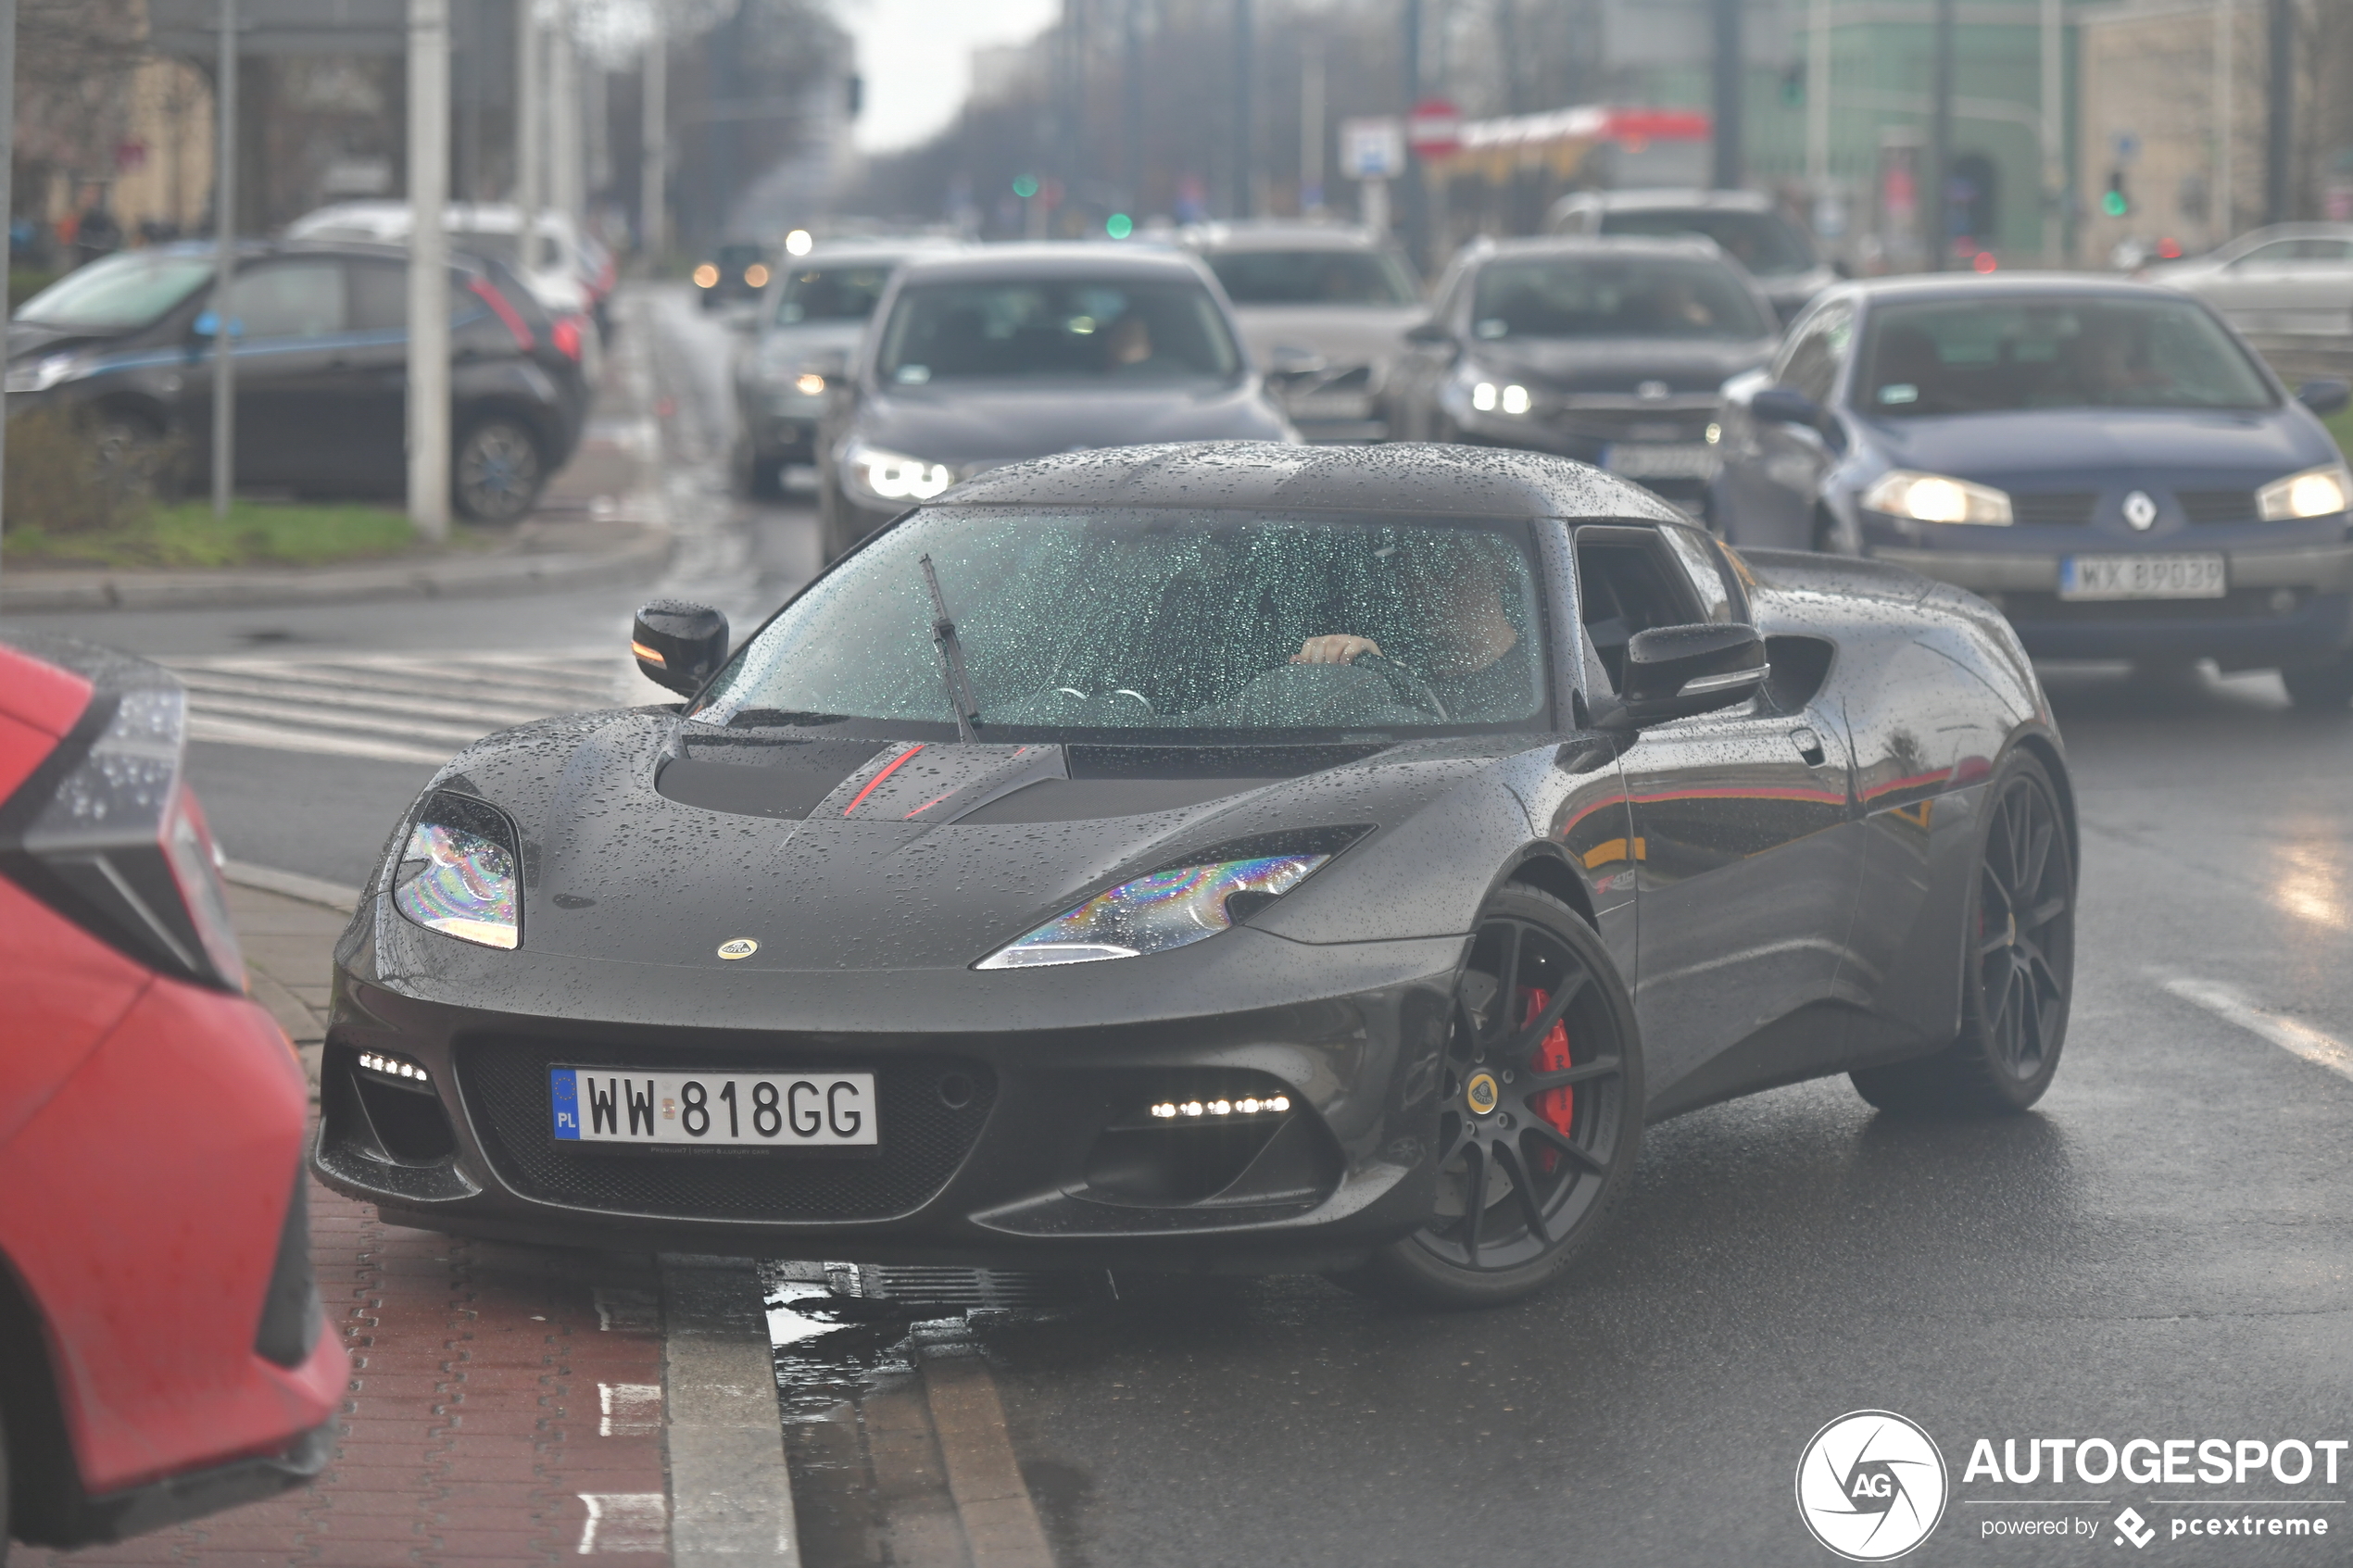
1340,648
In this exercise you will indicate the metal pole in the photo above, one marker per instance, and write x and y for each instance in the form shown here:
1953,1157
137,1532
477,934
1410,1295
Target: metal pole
1243,205
429,267
2053,136
1131,47
530,116
1311,130
7,194
1940,146
224,269
2277,141
1726,95
1818,103
653,146
2225,203
1417,236
566,166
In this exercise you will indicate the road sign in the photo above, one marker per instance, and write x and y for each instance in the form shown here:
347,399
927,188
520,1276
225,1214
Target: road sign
1434,128
1373,148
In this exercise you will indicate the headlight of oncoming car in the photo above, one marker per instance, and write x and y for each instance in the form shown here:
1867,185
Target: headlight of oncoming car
891,476
459,874
2320,491
1152,914
1934,497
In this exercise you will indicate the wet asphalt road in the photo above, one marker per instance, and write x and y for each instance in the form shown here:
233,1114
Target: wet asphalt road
2163,1250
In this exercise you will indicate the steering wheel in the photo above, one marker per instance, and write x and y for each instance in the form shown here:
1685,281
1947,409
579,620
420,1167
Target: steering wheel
1410,684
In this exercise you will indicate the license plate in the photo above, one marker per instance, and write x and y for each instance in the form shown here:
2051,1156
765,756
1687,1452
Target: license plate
725,1109
2143,577
1681,459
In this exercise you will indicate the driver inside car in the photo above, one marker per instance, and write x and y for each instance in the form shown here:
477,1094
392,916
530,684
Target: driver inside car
1473,658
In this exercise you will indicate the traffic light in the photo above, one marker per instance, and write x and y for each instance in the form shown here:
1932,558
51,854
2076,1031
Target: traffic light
2115,203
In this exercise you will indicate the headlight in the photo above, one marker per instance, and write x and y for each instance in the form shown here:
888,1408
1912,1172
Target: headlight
43,373
891,477
458,876
2320,492
1932,497
1152,914
1511,397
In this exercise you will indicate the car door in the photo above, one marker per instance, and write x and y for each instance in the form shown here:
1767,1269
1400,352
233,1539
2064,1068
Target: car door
2253,291
287,319
367,407
2314,292
1746,855
1428,357
1768,491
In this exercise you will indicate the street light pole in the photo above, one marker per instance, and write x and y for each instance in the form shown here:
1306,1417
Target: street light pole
653,146
224,269
2282,103
429,267
2053,138
530,117
1940,146
566,166
1243,205
1726,95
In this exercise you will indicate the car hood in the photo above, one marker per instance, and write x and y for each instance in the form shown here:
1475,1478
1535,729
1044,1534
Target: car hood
2051,447
986,423
1345,336
1622,364
29,338
617,869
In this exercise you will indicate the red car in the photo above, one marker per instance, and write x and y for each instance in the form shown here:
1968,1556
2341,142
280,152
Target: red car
163,1351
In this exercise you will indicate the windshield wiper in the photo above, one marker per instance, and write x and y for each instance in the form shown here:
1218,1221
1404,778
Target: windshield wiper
952,657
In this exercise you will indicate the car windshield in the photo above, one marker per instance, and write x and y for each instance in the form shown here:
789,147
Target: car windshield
735,258
1193,624
117,293
1128,329
1995,356
1313,276
1766,244
845,291
1622,297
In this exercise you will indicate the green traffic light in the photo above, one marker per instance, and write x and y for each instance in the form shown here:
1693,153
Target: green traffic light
1024,186
1119,225
2114,204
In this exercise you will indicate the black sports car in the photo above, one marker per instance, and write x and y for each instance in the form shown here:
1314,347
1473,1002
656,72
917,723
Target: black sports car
1218,856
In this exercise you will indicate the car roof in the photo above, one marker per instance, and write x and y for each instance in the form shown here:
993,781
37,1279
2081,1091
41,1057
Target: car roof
1413,477
1666,200
1972,285
1698,245
856,251
1280,234
1049,260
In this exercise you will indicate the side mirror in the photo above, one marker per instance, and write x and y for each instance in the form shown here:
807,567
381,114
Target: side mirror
1675,671
679,646
2325,395
1785,406
1289,359
1428,331
1843,267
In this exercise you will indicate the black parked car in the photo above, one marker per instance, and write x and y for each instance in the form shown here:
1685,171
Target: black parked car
1223,855
2104,460
985,358
322,340
1613,351
1748,226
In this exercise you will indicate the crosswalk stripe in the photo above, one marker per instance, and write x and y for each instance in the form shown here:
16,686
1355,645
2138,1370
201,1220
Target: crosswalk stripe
394,707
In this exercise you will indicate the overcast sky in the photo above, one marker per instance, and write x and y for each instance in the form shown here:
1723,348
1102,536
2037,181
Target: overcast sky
914,55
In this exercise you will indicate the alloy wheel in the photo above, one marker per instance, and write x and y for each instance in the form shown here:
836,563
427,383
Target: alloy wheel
498,474
2024,930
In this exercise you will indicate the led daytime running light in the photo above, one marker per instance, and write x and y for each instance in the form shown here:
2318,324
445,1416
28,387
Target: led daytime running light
1178,1110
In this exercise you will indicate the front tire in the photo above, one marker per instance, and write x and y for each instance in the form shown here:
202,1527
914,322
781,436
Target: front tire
2320,688
1539,1114
497,471
2019,965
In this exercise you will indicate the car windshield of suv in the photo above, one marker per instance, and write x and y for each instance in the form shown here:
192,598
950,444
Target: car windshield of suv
1766,244
1313,276
117,293
1991,356
845,291
1622,296
1190,623
1124,329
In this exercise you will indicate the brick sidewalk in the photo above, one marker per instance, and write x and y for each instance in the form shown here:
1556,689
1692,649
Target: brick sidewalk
505,1404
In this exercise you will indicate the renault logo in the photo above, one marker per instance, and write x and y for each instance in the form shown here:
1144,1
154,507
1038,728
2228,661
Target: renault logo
1481,1093
2140,511
1652,391
738,947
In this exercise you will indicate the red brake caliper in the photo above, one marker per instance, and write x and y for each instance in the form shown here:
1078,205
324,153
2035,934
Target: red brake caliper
1555,1106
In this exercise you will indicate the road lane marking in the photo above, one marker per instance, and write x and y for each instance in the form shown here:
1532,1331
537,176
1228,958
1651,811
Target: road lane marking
619,1522
2298,1039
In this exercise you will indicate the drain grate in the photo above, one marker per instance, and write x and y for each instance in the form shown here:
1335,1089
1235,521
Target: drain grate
959,1289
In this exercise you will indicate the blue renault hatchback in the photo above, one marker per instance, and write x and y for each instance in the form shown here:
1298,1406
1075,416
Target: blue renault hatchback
2106,461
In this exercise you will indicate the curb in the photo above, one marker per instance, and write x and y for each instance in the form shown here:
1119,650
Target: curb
291,884
642,555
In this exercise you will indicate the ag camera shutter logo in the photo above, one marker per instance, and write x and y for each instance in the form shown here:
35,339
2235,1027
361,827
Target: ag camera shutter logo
1872,1486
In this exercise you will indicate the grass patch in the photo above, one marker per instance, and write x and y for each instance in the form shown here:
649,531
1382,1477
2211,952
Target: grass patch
186,534
2341,427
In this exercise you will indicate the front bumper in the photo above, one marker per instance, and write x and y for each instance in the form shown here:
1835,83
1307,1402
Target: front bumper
1001,1146
2283,605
